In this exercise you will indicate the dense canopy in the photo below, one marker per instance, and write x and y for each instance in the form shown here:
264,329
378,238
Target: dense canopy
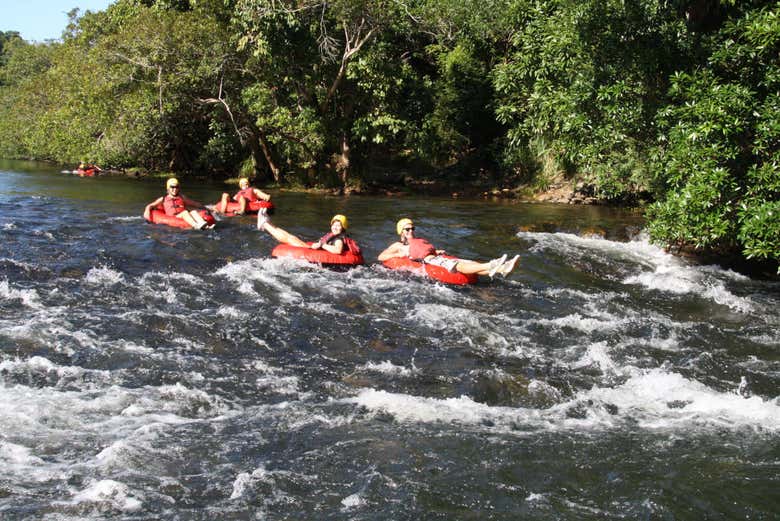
676,102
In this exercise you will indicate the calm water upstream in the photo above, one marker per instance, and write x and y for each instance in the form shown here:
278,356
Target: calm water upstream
152,373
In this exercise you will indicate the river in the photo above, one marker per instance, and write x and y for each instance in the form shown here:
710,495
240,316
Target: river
153,373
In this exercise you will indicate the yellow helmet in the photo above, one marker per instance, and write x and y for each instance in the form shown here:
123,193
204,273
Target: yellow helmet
243,180
342,219
399,226
172,182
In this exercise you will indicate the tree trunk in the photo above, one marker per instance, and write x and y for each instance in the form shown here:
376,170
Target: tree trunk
258,160
275,171
342,163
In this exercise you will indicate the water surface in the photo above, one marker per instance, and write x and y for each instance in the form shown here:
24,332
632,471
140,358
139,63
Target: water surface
153,373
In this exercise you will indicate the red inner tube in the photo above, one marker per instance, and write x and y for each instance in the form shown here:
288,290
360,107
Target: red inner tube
345,258
435,272
158,216
251,207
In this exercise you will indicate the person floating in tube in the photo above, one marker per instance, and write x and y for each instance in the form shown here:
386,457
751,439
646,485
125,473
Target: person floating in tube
245,195
333,241
420,250
179,205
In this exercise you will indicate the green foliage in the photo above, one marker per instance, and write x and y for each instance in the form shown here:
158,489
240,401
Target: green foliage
106,94
589,77
759,213
719,157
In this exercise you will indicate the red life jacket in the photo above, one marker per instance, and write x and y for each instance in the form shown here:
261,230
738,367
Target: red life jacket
247,193
173,205
420,248
349,244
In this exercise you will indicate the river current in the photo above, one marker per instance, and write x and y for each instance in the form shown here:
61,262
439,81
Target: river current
153,373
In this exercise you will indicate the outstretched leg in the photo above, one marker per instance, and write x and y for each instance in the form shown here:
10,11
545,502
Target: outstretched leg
277,233
469,267
223,203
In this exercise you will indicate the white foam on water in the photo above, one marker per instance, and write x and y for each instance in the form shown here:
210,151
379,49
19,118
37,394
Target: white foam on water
269,272
111,494
244,481
232,313
353,502
126,218
179,399
660,399
718,293
66,375
472,326
49,330
20,462
132,347
13,455
104,276
639,251
53,327
598,355
406,408
724,273
605,323
287,385
650,400
140,447
556,293
26,266
661,271
172,287
107,412
46,235
389,368
9,226
28,297
540,389
153,277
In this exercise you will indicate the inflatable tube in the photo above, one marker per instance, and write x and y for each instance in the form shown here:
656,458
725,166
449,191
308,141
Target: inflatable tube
89,172
346,258
434,272
158,216
251,207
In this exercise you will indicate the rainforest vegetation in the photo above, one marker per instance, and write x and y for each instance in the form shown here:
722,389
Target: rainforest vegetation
675,103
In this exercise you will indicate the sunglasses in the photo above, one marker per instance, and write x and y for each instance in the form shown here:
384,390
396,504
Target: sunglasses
174,186
410,229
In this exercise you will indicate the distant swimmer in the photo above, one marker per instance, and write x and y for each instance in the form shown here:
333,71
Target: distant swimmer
420,250
87,169
176,204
